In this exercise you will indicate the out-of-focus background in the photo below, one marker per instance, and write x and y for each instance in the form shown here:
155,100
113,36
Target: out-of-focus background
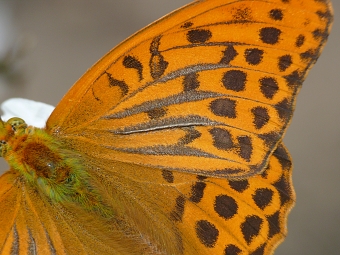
45,46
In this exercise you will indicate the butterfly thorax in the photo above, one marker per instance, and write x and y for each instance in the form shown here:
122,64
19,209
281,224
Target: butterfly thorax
47,165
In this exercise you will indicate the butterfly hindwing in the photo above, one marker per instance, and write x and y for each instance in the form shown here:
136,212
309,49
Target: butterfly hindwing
33,224
206,215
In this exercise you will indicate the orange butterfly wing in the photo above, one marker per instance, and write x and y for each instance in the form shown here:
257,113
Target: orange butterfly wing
179,127
245,216
213,83
238,217
31,224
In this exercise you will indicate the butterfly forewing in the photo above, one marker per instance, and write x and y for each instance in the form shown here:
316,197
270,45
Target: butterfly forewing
210,92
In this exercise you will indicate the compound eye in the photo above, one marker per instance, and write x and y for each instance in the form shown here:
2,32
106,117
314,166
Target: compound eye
16,123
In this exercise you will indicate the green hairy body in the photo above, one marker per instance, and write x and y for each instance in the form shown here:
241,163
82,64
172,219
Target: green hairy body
57,172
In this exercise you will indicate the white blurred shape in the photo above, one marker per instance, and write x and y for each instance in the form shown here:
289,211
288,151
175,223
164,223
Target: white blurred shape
32,112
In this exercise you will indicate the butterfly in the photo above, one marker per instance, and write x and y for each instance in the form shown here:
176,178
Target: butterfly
172,142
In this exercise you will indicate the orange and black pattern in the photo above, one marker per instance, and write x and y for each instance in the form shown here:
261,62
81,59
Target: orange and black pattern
214,83
175,135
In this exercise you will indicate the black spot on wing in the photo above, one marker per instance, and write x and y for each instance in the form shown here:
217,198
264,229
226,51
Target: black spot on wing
320,34
157,63
117,83
294,79
133,62
251,227
187,25
259,250
253,56
270,35
168,176
274,224
284,189
300,40
269,87
276,14
225,206
199,35
309,55
232,249
234,80
197,191
285,62
224,107
190,136
207,233
239,186
191,82
178,211
284,110
156,113
245,147
263,197
270,138
221,139
229,54
260,116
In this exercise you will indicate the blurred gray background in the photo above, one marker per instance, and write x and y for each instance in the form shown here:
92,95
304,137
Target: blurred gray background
56,41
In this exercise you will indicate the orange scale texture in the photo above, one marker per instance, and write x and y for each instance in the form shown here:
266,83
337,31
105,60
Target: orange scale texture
172,142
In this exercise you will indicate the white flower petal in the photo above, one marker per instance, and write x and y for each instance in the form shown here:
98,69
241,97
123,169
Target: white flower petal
32,112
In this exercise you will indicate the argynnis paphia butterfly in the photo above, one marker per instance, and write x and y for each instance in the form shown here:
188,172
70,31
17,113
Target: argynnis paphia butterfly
172,142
